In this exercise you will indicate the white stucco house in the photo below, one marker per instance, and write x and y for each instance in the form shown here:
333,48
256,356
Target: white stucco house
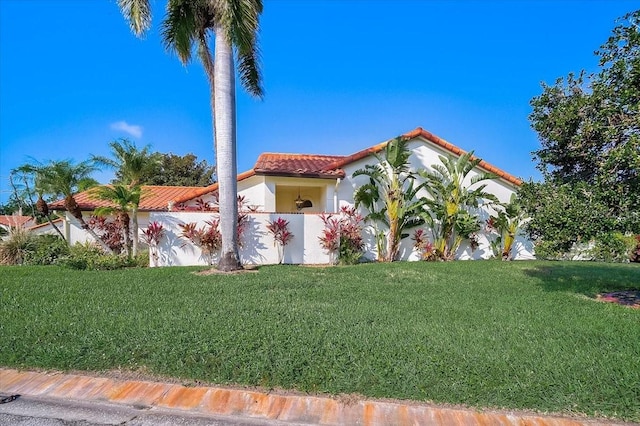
299,188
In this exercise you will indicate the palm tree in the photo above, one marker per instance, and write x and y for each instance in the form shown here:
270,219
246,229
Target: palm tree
131,164
448,208
234,24
125,198
63,178
391,197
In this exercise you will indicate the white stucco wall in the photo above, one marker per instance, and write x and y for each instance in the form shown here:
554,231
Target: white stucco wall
257,243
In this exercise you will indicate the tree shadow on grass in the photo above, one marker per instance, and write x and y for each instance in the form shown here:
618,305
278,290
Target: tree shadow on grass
586,278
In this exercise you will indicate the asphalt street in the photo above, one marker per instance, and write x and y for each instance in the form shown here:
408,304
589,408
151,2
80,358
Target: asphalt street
30,411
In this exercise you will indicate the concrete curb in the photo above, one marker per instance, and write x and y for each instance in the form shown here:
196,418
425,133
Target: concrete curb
258,405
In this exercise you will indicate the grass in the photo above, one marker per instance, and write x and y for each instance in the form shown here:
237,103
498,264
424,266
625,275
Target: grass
516,335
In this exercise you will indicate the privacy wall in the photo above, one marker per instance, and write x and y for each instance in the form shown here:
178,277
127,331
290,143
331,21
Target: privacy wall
258,248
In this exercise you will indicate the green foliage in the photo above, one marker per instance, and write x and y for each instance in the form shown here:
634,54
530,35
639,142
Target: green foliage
176,170
391,197
613,247
46,250
342,236
590,134
90,257
15,248
448,210
563,215
508,221
458,333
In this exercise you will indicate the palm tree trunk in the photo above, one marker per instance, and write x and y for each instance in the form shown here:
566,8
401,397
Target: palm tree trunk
72,207
134,226
55,227
224,102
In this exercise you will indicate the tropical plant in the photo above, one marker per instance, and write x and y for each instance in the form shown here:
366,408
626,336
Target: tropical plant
422,244
233,23
152,236
279,229
125,199
131,165
14,250
506,224
64,178
342,236
110,231
26,182
451,198
391,197
207,238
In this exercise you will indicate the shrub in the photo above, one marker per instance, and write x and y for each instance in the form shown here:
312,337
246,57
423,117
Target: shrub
90,256
14,250
279,229
342,236
46,250
635,249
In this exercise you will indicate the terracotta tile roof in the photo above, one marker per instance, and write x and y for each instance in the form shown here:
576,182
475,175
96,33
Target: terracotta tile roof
45,224
200,191
14,220
299,165
331,166
154,198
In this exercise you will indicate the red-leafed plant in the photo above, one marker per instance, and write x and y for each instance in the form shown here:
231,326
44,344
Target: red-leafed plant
207,238
342,236
422,244
109,231
279,229
152,236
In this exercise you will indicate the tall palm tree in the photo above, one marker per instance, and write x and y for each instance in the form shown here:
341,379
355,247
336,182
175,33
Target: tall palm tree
391,196
125,198
189,24
451,198
63,178
130,164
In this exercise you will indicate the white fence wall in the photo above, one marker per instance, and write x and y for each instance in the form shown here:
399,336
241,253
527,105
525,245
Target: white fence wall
258,246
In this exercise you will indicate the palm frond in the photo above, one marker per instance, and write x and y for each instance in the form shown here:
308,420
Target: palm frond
138,13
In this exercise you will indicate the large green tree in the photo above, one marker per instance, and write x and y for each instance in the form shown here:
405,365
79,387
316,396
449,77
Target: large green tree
189,25
589,130
180,170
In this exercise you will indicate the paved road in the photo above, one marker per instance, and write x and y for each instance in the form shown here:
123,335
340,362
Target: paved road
30,411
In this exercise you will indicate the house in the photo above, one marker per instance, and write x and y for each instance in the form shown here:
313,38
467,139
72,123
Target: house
7,222
299,188
154,199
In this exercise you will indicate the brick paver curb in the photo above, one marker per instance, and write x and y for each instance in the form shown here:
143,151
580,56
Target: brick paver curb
285,408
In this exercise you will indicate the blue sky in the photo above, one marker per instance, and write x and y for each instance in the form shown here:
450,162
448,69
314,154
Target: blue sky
339,76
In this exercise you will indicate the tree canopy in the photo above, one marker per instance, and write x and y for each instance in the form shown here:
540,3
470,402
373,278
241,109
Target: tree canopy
589,126
589,130
180,170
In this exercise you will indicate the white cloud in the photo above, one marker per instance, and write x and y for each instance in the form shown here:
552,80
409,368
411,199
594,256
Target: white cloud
132,129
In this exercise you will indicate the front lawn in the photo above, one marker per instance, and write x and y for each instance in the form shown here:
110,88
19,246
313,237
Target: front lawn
519,335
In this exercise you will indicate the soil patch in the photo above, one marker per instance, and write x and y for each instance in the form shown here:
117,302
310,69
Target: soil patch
630,298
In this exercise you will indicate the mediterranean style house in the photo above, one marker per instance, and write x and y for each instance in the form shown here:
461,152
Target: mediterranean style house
299,188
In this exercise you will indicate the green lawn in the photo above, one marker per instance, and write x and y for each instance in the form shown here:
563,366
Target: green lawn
519,335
